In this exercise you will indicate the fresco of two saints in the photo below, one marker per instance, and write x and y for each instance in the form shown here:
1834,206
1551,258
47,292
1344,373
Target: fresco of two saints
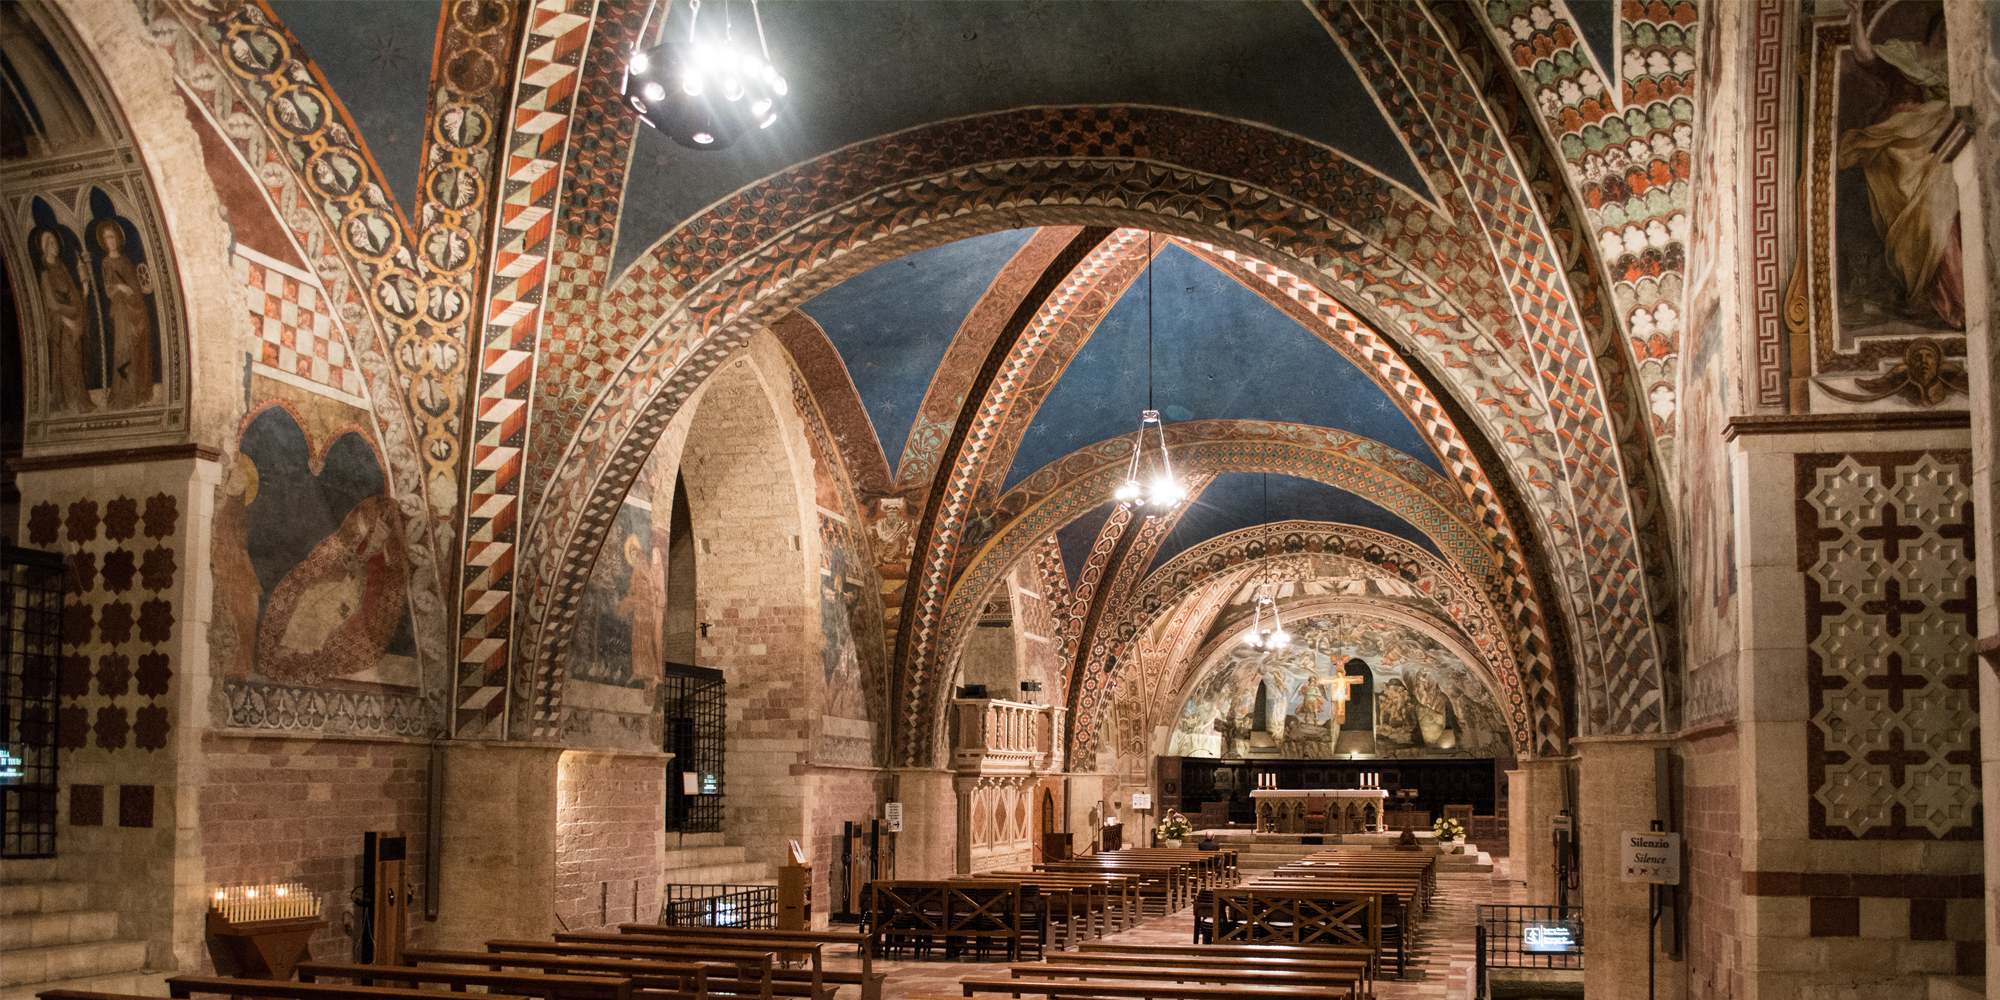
1407,696
100,324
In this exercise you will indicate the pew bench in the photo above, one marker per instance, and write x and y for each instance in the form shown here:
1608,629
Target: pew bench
1334,983
686,977
183,987
976,985
865,943
531,984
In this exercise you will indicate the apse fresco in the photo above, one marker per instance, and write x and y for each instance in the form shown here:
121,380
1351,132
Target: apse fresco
311,566
1410,697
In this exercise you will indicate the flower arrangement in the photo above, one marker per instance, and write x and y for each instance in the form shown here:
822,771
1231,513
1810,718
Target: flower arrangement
1175,827
1448,829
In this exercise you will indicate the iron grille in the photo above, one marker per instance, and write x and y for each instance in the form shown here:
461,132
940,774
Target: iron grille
31,597
748,906
1526,937
696,711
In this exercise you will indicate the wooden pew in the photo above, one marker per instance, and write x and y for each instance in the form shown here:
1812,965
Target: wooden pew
865,944
1119,890
183,987
1370,960
1098,988
1335,982
531,984
684,977
751,965
1358,966
953,911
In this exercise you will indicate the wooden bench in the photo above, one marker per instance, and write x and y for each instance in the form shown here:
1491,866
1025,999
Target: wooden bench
1358,966
1098,988
183,987
750,965
1240,953
1334,982
530,984
916,911
1119,892
865,945
687,977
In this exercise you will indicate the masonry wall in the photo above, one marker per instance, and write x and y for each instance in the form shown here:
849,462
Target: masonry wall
840,795
610,812
296,808
1713,890
752,590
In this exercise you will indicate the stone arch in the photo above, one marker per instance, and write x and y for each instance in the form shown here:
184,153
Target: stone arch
690,301
748,480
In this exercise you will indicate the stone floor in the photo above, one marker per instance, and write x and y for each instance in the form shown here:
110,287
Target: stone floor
1440,967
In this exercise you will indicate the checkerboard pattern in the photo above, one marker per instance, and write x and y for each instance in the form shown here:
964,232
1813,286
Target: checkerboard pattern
296,331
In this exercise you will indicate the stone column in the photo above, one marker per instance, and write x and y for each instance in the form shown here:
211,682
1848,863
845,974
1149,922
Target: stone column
497,868
1517,824
928,846
1616,792
1532,811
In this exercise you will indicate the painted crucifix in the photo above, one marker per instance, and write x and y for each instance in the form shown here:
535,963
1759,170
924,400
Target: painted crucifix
1337,686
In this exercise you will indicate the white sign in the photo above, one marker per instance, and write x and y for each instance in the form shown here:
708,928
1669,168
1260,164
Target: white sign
1142,800
892,817
1552,937
1559,824
1650,857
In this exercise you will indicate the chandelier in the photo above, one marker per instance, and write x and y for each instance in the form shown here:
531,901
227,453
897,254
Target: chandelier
705,93
1149,483
1270,638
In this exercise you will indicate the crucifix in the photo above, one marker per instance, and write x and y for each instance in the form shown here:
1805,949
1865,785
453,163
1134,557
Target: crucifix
1337,686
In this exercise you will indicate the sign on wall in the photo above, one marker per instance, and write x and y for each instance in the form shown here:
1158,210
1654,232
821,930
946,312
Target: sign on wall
892,817
1650,857
1142,801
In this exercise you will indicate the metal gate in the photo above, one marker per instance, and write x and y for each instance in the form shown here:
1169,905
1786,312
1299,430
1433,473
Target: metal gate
31,601
696,712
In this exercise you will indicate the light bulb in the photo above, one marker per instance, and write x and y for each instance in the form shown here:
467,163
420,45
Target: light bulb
691,83
702,137
732,88
640,63
1128,492
654,92
760,107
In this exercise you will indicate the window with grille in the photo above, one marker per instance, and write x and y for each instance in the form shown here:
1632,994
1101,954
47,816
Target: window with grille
31,598
696,710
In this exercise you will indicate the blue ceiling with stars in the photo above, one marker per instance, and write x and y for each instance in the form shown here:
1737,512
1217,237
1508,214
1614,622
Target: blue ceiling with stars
379,63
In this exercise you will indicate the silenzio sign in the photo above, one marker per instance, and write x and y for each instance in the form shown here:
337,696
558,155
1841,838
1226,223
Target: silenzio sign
1650,857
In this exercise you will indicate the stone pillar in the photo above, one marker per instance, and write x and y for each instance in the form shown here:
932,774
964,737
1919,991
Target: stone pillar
1532,811
1616,792
497,866
1517,824
928,846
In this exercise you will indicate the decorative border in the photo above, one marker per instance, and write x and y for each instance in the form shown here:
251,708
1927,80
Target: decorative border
531,172
1769,98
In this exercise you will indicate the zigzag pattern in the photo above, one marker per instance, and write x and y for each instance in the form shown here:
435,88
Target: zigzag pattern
557,32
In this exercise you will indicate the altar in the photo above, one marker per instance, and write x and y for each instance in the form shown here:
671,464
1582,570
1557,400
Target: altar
1319,810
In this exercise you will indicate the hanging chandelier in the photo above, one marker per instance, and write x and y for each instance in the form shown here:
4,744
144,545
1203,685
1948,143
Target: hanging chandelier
705,93
1269,638
1149,484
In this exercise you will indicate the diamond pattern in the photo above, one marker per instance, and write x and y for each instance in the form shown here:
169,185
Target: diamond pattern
296,332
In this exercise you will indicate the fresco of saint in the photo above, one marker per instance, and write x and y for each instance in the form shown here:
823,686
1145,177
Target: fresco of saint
130,317
645,602
69,326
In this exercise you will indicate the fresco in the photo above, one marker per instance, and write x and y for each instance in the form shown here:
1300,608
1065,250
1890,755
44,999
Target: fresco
1896,212
840,609
42,109
311,565
1418,698
621,626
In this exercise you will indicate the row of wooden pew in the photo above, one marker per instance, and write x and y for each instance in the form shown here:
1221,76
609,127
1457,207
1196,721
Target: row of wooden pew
1104,971
667,963
1053,906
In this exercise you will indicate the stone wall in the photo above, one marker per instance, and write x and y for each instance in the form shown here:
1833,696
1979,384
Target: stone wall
1713,887
610,811
296,809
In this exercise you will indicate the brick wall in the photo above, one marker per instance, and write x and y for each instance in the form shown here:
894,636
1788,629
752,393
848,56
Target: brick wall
609,816
840,795
1713,821
755,590
280,808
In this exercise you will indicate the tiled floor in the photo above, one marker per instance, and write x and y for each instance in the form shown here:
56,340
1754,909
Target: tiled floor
1440,966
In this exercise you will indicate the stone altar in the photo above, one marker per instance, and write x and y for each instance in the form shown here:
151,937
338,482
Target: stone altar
1348,810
